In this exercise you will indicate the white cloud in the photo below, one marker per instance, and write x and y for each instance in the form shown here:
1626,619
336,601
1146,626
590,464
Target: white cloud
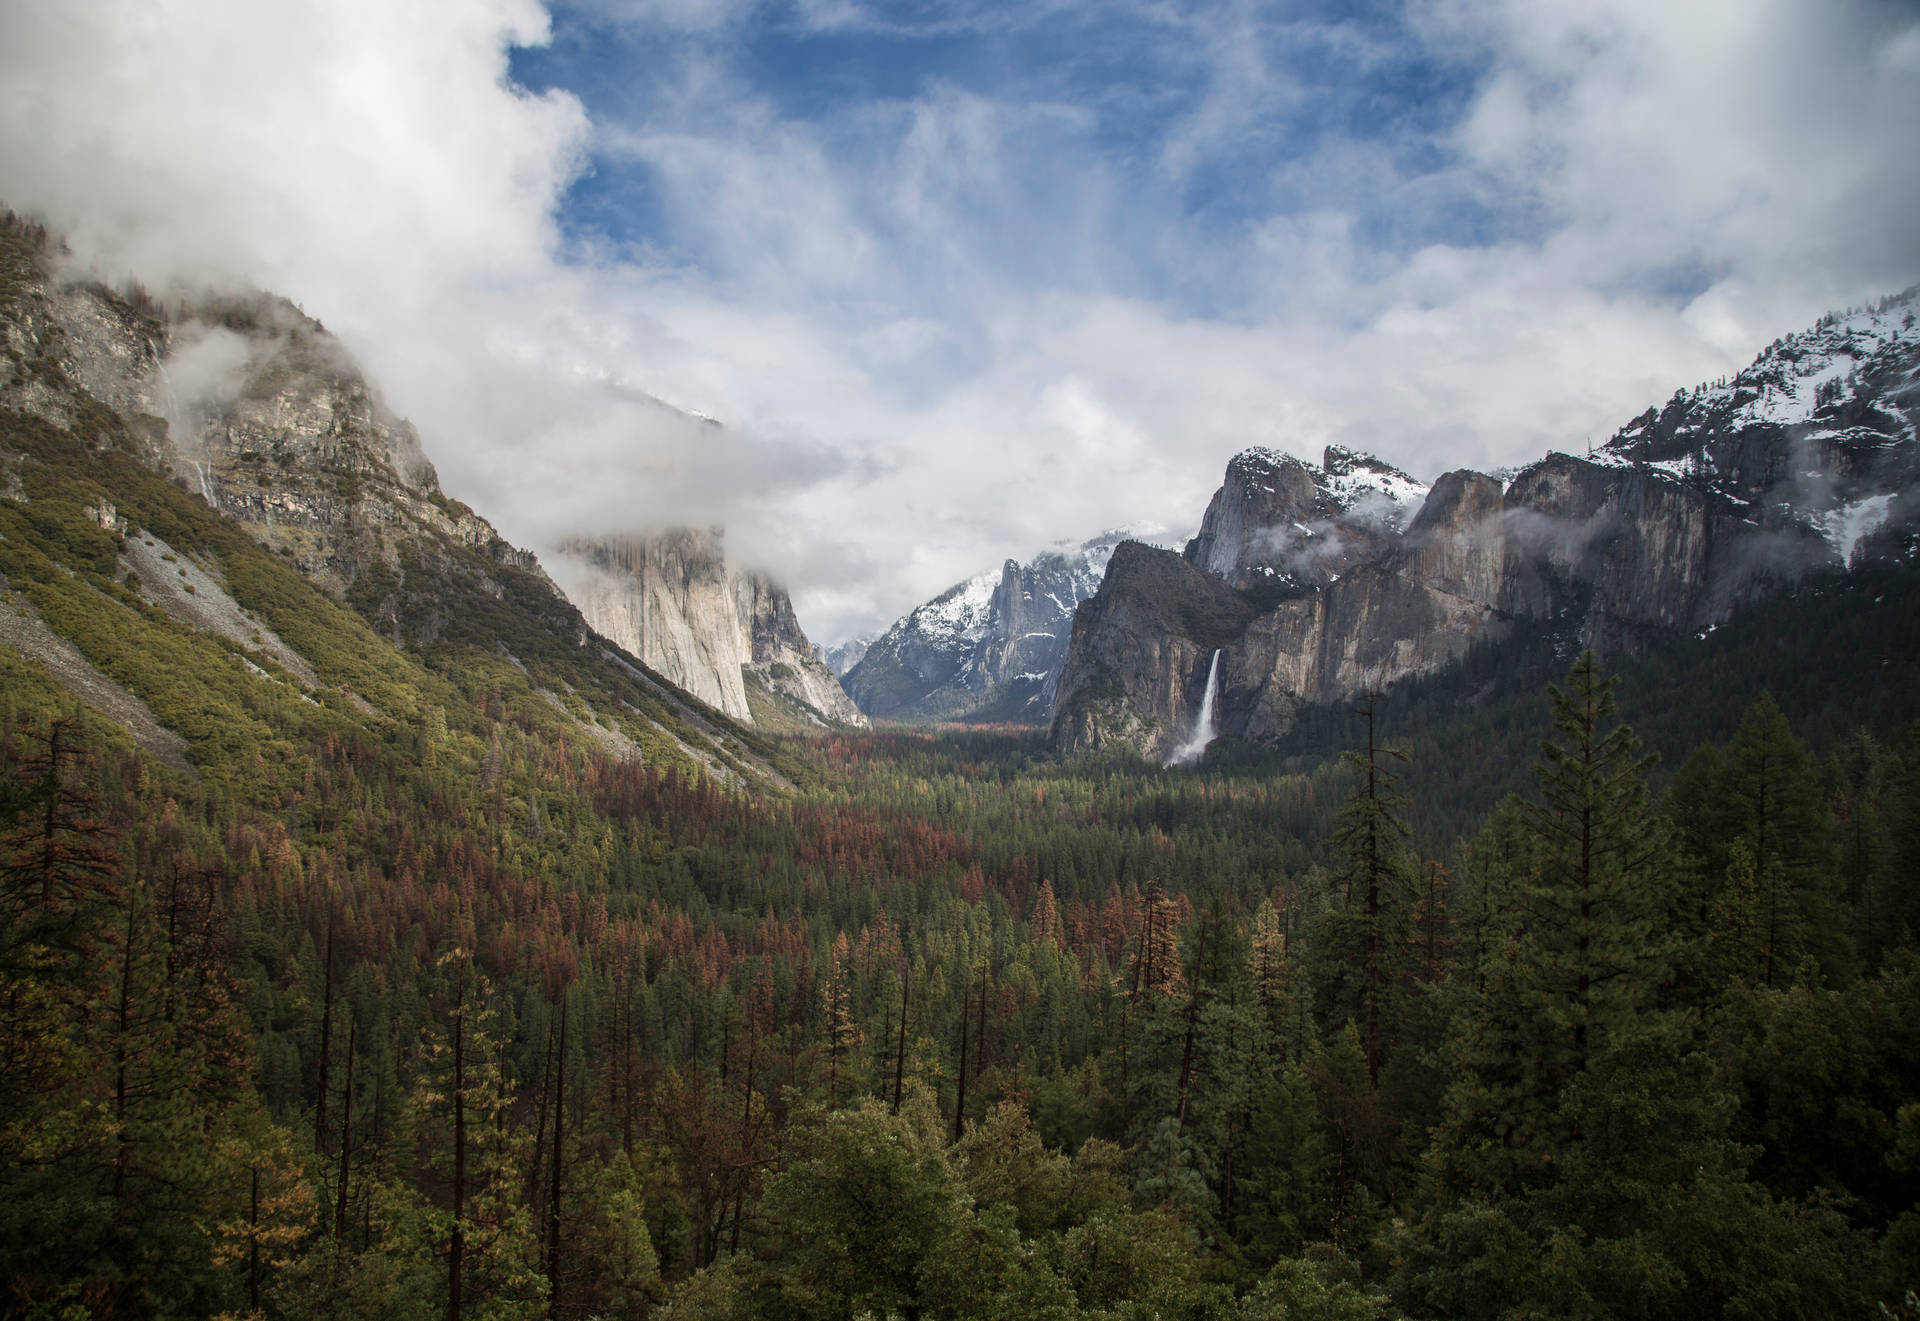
960,324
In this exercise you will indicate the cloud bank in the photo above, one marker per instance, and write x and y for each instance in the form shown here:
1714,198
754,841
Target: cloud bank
959,287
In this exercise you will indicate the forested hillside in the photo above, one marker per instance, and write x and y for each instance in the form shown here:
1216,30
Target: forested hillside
348,972
418,1020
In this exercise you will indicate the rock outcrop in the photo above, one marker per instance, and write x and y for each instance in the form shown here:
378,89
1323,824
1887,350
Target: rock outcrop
988,649
783,660
1276,518
1321,584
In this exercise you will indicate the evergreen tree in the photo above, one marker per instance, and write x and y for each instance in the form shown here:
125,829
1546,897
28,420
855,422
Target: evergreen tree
1361,949
1782,813
1862,772
1584,1166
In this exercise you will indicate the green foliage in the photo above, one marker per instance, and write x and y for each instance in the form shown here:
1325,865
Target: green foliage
860,1203
1588,1095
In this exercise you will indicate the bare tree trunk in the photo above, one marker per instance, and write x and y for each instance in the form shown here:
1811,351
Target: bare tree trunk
456,1243
559,1156
960,1101
346,1136
253,1244
326,1043
900,1059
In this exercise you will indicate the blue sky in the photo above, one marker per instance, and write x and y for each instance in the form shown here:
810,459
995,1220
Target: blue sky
1086,148
1137,148
963,280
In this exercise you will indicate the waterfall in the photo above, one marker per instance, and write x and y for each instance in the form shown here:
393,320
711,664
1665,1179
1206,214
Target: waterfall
178,430
1203,731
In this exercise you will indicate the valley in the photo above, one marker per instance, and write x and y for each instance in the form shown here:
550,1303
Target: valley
386,931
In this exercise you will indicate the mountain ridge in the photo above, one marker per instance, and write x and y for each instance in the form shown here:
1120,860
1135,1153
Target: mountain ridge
1808,459
252,407
989,648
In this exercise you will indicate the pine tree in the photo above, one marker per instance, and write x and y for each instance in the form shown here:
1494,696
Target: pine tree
1780,810
1568,950
1592,950
1362,946
1585,1111
463,1096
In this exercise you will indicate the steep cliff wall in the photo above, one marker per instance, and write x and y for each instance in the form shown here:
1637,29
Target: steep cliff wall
671,599
1142,646
668,599
782,658
1807,461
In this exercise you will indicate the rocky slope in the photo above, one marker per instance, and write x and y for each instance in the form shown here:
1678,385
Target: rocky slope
1319,584
255,409
988,649
672,600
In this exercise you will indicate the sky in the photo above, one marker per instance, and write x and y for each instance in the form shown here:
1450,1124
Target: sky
959,281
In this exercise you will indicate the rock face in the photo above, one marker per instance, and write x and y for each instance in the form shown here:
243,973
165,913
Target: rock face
1318,585
988,649
1141,649
254,405
671,599
667,599
1276,518
781,657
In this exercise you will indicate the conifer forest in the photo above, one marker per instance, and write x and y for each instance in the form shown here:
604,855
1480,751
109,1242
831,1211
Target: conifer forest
454,981
458,1016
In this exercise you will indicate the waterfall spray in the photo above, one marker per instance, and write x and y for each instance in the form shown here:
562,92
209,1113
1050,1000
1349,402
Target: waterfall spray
1203,731
179,432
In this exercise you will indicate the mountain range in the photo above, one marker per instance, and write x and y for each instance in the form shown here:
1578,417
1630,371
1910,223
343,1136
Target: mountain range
1316,585
1306,585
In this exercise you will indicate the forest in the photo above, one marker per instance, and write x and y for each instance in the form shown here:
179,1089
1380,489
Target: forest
457,1016
468,977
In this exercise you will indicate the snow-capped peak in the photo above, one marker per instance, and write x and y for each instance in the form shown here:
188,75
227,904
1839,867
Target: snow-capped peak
1353,478
1847,358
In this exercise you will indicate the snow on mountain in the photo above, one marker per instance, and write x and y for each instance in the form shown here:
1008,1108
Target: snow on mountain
1312,585
843,656
1820,432
988,648
1279,520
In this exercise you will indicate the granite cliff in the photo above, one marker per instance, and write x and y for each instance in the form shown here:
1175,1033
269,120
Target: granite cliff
1318,584
728,636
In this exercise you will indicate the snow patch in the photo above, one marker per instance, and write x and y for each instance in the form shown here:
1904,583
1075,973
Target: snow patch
1844,528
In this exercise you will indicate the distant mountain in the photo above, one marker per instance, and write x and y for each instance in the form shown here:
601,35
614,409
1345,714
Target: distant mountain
843,656
987,649
1314,585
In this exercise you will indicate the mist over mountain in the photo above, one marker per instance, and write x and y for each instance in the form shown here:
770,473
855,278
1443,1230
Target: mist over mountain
726,635
261,413
1476,875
